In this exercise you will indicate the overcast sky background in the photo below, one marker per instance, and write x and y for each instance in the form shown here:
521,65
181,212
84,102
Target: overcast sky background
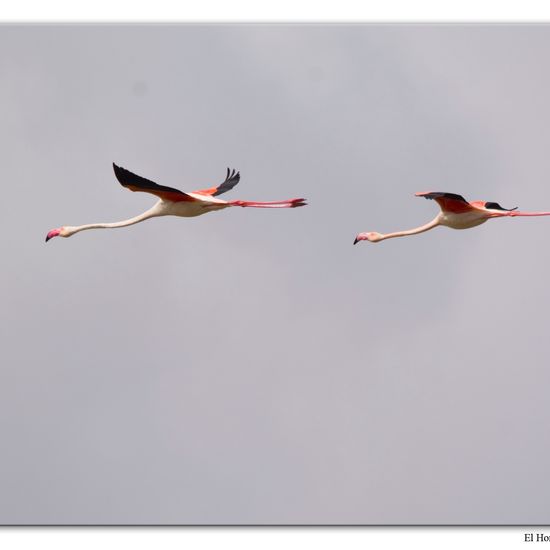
252,366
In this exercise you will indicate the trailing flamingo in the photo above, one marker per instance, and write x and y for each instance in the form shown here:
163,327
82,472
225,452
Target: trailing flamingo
456,213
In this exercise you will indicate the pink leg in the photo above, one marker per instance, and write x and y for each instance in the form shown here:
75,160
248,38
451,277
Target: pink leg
291,203
512,214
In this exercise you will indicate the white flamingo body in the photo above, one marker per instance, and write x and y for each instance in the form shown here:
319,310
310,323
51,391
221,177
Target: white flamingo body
173,202
202,205
456,213
462,221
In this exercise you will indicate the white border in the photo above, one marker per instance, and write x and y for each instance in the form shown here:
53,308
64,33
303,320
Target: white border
266,538
275,11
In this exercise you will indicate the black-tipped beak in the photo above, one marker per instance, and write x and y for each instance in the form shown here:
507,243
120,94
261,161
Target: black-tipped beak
356,240
51,234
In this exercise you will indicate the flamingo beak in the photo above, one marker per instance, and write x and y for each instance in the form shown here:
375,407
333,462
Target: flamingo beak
354,242
51,234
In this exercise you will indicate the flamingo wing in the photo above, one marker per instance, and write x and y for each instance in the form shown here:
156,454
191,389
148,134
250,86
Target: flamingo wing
134,182
231,180
496,206
449,202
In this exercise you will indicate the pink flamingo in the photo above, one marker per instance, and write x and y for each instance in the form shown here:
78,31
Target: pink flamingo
456,213
173,202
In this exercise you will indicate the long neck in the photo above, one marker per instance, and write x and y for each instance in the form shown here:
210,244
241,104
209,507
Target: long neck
430,225
151,213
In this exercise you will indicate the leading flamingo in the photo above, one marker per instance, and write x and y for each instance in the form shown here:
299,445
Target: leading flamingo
173,202
456,213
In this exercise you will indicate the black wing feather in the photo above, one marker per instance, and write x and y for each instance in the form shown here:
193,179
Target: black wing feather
496,206
231,180
127,178
442,195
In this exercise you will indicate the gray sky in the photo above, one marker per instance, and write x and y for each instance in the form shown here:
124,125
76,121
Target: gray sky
252,366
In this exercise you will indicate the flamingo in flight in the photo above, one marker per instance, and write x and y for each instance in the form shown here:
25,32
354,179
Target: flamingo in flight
173,202
456,213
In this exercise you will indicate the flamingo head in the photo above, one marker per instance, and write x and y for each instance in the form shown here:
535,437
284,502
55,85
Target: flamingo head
372,236
59,232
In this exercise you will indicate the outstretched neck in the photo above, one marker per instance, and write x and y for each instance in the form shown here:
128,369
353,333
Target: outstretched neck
430,225
156,210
